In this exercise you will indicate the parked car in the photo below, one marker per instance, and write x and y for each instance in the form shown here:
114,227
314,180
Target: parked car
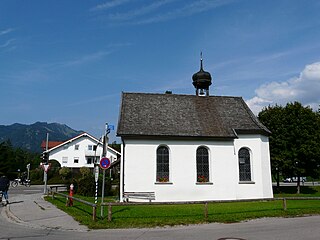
295,179
302,179
287,180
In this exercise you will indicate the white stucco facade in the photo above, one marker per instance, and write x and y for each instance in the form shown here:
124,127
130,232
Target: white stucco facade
80,151
138,169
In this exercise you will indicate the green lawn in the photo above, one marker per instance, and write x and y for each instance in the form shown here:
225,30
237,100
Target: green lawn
169,215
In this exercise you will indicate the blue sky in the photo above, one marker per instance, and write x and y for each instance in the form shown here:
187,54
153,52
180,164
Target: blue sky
69,61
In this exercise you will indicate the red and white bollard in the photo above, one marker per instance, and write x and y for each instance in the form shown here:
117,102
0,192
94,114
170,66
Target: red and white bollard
70,200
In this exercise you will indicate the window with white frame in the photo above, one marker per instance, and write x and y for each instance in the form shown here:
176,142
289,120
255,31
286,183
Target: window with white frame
76,147
76,160
244,165
90,147
64,159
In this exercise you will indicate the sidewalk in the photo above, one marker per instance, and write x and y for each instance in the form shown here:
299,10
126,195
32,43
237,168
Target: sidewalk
33,211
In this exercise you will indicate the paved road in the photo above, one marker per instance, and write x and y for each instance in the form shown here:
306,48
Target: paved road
262,229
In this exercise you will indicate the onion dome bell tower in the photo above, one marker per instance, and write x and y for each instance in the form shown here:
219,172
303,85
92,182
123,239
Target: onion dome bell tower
202,81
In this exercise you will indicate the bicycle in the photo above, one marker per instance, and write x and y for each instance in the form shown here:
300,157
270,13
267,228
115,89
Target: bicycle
17,181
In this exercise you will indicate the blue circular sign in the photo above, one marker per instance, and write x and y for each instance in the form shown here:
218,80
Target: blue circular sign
105,163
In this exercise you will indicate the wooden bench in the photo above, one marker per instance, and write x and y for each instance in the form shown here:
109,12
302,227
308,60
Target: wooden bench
139,195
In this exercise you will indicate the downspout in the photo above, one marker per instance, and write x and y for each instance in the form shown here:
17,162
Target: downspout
122,169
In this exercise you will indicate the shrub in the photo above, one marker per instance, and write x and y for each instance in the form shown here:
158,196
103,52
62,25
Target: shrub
86,185
65,173
85,171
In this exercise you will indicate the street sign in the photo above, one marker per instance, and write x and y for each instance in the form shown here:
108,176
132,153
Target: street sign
105,163
46,167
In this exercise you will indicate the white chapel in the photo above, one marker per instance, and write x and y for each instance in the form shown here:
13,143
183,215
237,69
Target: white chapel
193,147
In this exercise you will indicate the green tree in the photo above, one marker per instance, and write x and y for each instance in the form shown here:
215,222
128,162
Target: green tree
295,138
272,118
116,146
12,159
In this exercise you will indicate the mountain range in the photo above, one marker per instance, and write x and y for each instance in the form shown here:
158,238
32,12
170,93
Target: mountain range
29,137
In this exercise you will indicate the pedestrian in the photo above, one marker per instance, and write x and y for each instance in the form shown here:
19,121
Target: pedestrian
4,187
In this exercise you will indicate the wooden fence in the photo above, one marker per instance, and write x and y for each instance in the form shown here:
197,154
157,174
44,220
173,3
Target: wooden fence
93,205
205,204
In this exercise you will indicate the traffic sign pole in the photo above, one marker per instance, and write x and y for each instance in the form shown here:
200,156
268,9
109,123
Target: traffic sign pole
45,177
28,168
96,178
105,149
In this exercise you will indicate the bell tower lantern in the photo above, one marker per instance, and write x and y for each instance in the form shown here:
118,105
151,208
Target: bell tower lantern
202,81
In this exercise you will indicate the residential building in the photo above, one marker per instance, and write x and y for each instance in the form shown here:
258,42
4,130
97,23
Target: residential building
81,151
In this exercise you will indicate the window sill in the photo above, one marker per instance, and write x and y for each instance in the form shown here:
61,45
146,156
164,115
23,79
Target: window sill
163,183
204,183
246,182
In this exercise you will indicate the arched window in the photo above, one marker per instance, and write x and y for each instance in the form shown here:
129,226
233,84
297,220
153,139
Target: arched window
244,165
202,165
162,164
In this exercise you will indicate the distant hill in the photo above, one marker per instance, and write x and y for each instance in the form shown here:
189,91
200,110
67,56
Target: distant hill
29,137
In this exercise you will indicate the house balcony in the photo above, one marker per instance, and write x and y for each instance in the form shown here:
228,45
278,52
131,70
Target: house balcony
91,153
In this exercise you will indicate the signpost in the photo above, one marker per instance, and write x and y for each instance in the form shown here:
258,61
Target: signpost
46,166
96,173
28,168
105,162
96,178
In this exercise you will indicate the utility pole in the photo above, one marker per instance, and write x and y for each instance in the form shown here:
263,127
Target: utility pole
45,176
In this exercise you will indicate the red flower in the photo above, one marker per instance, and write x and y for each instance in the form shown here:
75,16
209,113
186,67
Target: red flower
202,178
162,179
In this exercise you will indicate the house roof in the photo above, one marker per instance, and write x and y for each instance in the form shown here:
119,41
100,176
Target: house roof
80,136
172,115
51,144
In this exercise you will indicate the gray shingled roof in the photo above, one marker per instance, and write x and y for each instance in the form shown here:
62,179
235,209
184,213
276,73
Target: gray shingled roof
172,115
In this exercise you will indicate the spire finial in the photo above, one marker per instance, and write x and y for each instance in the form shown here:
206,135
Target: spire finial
201,67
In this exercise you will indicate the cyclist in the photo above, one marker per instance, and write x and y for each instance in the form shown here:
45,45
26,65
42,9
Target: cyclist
4,187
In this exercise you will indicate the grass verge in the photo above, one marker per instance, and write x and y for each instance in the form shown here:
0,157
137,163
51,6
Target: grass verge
169,215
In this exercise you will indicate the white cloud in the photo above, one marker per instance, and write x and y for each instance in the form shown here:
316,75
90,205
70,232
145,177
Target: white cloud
304,88
3,32
7,43
187,10
87,58
138,12
109,4
155,11
7,46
